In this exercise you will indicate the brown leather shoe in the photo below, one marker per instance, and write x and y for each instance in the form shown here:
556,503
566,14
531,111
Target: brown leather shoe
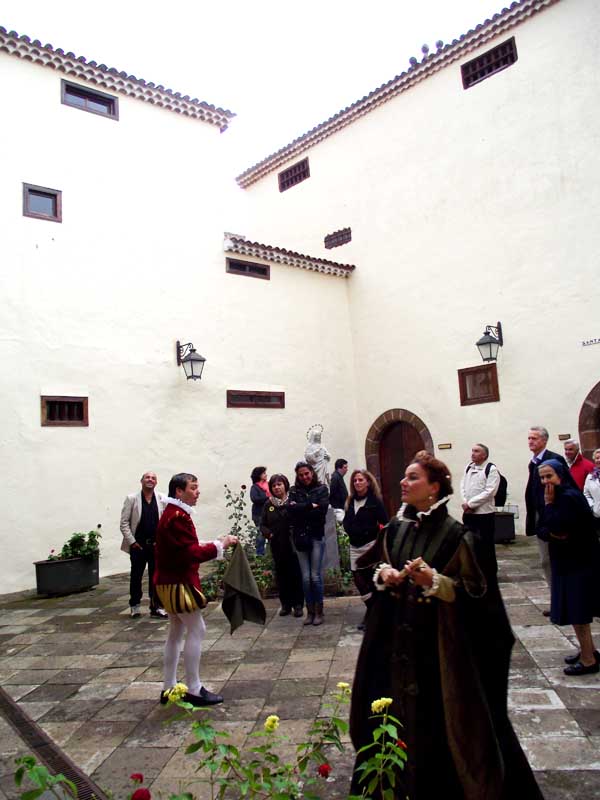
318,620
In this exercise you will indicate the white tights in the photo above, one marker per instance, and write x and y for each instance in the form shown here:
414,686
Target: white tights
191,626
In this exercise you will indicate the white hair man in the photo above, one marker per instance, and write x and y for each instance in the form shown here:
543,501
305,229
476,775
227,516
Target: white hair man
579,466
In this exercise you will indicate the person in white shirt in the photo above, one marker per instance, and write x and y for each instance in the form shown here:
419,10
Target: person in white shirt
478,488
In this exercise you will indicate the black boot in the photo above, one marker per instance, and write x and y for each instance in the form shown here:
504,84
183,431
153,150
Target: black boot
318,620
310,613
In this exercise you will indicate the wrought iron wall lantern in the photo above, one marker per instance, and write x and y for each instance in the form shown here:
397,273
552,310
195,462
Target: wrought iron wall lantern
191,361
490,342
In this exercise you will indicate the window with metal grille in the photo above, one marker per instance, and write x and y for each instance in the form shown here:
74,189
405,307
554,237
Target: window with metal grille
292,175
495,60
42,203
65,411
73,94
338,238
478,385
239,398
248,269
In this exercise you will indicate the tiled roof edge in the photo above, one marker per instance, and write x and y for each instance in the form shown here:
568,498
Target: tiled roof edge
429,65
237,244
111,79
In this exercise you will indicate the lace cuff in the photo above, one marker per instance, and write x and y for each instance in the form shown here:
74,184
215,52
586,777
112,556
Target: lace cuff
379,585
442,587
219,545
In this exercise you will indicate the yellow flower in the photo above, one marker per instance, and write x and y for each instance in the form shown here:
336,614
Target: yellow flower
378,706
177,693
344,687
271,723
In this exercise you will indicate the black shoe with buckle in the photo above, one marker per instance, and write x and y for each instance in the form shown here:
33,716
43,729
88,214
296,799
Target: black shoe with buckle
205,698
574,659
581,669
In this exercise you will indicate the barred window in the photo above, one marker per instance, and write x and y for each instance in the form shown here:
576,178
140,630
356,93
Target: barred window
495,60
248,268
239,398
65,411
295,174
338,238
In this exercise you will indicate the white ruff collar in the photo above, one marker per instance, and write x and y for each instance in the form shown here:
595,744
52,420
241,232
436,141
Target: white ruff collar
421,514
173,501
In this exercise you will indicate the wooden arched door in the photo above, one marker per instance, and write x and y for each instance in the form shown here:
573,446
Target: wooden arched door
397,447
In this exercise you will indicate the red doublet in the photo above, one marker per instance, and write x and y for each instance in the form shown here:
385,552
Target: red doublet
178,551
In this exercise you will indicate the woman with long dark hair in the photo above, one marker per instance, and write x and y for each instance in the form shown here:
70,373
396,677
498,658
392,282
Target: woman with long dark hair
275,527
439,646
568,524
308,501
365,516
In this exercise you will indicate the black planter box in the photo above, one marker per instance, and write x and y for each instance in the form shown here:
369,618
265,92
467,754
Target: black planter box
504,527
66,575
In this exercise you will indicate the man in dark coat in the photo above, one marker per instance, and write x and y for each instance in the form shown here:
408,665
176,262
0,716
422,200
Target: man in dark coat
337,490
537,439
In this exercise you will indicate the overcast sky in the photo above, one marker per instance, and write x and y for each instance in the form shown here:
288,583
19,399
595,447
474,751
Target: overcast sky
281,66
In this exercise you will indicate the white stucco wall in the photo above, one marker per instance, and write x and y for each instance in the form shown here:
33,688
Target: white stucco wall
93,307
468,207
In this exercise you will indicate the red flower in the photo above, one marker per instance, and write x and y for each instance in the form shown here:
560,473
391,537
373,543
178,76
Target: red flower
141,794
137,777
400,743
323,771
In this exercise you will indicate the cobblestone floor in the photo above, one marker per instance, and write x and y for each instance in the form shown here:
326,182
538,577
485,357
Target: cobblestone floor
91,678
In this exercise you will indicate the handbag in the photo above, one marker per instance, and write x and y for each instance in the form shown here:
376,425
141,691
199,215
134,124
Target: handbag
302,540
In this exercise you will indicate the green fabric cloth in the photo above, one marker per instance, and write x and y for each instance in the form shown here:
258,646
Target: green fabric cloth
241,599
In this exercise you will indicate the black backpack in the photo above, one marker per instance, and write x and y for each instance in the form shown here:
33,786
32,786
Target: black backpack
502,490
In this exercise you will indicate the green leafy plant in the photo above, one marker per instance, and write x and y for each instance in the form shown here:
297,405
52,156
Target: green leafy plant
85,545
42,780
241,524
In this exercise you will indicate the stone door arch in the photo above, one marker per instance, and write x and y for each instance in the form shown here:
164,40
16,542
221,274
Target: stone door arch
391,442
589,422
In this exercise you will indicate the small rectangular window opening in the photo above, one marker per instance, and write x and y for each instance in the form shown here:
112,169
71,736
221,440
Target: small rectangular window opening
77,96
295,174
64,411
494,60
41,202
338,238
248,268
238,398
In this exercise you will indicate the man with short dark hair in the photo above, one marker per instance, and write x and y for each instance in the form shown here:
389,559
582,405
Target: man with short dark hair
337,490
579,466
139,520
478,488
537,439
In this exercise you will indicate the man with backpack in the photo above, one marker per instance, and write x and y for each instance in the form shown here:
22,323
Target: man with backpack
478,488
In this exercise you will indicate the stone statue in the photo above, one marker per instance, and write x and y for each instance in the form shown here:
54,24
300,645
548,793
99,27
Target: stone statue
316,455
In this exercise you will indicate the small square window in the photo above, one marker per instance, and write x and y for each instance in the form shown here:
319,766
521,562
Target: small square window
66,412
42,203
478,385
295,174
238,398
494,60
77,96
248,268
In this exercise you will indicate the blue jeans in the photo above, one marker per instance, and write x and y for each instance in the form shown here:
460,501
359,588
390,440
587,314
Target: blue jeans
311,566
260,542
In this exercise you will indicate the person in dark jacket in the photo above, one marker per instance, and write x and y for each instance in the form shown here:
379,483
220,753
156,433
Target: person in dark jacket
575,560
275,527
365,516
307,503
259,494
337,489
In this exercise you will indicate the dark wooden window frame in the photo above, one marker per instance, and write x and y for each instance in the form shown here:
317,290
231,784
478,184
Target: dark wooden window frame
248,269
29,189
64,423
89,94
489,63
293,175
253,399
338,238
494,397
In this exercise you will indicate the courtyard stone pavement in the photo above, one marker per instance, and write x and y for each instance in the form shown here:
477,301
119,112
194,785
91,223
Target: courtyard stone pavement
91,677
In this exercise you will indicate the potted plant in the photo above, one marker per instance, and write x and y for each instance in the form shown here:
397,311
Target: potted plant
74,569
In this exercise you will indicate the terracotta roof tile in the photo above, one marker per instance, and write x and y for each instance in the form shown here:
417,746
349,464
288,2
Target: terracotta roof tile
418,71
240,245
111,79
